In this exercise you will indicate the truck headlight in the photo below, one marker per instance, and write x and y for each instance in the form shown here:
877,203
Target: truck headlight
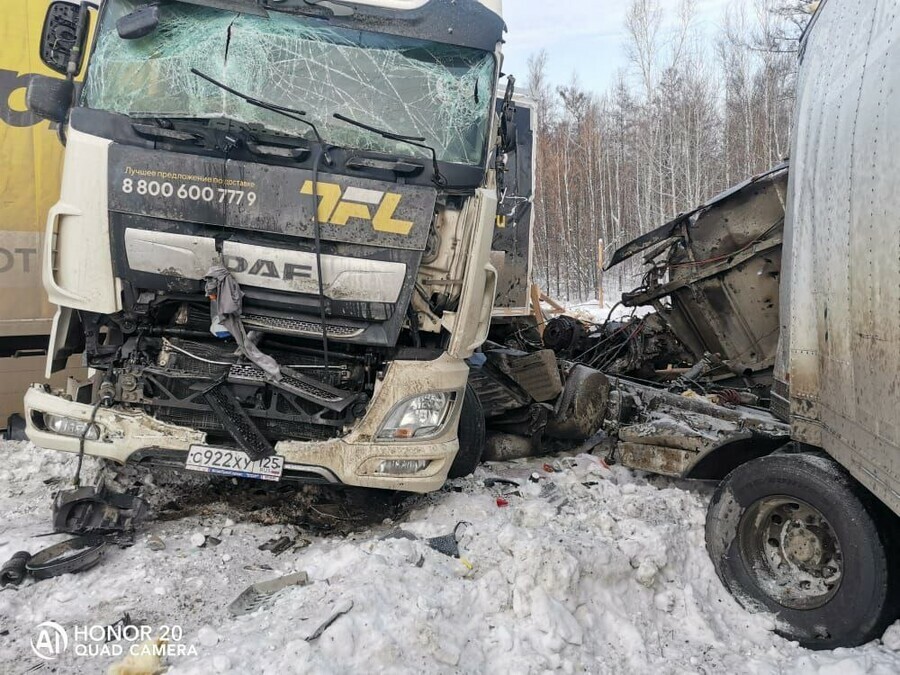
66,426
421,416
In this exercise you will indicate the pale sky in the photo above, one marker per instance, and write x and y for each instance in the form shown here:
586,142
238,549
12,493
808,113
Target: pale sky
583,36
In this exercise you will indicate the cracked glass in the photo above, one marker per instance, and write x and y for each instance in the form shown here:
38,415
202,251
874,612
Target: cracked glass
407,86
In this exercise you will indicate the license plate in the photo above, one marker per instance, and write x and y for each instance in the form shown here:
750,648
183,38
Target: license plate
233,463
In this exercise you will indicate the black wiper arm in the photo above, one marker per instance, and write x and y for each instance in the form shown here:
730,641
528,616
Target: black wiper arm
416,141
290,113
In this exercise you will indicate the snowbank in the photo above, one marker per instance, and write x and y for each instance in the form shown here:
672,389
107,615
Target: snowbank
585,570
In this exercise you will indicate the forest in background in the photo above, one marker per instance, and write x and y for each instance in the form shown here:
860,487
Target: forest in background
692,115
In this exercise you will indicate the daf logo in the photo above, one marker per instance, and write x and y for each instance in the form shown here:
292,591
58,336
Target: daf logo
267,269
338,205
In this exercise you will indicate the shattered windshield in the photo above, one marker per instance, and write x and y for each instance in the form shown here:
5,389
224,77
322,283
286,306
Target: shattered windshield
398,84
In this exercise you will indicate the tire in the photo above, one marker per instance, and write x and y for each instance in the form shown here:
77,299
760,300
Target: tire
471,436
795,535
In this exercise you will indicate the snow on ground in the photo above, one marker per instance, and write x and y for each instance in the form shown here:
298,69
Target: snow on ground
592,311
585,570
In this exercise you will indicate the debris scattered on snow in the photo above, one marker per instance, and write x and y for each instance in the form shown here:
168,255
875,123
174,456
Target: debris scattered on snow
13,571
278,545
339,611
259,594
562,580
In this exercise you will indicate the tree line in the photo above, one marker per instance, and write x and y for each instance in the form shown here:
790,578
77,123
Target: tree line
689,118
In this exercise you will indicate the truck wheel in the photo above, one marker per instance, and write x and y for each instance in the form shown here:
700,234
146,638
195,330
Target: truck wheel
796,536
471,436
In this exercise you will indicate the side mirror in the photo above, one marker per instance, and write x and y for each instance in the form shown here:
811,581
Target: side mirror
140,23
509,133
49,97
60,36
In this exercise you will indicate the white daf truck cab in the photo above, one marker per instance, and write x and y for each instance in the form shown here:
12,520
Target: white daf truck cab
273,241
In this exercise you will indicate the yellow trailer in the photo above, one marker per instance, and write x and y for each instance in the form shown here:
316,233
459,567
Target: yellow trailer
29,184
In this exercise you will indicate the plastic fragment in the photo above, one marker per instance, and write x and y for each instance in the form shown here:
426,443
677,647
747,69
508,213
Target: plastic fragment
339,611
258,595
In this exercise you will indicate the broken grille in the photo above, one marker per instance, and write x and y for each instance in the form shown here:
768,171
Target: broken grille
297,327
242,373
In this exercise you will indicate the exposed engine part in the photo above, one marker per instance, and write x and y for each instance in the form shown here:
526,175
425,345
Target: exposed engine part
174,379
565,335
537,374
581,409
638,347
500,447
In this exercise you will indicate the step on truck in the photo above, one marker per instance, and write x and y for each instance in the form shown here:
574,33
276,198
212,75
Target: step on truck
273,243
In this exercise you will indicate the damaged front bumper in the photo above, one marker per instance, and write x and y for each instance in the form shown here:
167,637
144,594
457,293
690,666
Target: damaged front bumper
358,459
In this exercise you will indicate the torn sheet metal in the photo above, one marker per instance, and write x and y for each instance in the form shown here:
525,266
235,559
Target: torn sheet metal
261,594
667,433
715,275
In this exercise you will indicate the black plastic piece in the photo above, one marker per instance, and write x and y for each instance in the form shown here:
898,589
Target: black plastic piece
49,97
59,35
91,510
14,570
140,23
68,557
237,422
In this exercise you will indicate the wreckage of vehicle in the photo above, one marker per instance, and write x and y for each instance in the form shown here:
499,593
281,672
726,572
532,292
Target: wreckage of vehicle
682,391
273,274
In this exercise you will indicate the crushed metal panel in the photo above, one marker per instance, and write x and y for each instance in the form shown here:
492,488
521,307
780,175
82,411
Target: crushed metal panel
671,228
722,274
537,374
655,459
663,432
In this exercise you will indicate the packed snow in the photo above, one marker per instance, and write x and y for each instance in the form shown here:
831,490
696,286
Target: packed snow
577,567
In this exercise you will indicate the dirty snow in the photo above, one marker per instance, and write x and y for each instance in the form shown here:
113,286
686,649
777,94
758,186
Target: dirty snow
586,569
595,313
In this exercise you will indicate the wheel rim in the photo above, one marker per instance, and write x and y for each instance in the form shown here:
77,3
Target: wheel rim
791,551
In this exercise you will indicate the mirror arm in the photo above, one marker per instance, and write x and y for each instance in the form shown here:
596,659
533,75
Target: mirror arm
75,56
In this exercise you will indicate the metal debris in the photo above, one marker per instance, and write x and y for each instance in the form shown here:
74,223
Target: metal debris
340,610
277,546
97,510
260,594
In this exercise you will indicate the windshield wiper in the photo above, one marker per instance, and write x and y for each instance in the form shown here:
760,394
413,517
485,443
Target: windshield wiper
322,154
290,113
416,141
